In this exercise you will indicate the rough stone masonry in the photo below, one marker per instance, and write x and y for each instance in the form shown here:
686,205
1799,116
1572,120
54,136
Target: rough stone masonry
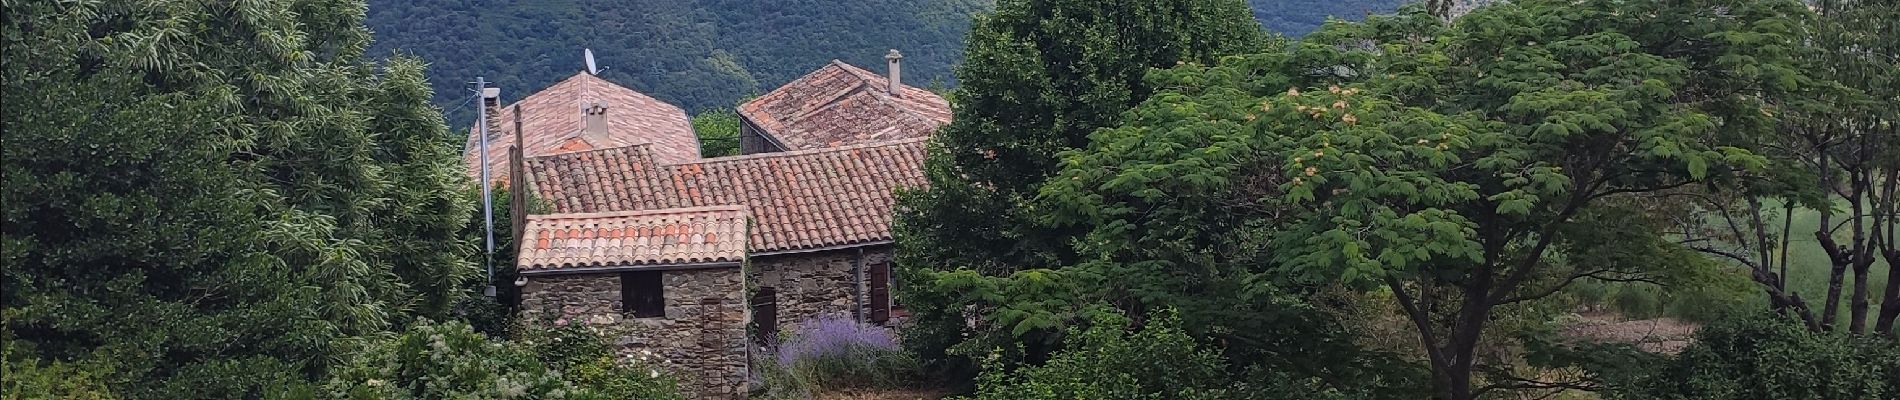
701,339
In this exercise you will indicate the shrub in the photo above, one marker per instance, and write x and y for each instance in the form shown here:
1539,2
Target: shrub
451,360
835,352
589,362
23,377
1157,361
1764,356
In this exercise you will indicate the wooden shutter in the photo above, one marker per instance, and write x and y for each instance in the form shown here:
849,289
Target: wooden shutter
765,315
880,292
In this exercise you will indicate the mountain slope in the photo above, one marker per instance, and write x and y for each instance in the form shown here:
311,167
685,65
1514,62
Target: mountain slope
702,54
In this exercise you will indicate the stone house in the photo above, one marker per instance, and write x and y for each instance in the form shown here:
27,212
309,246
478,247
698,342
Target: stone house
840,105
668,282
702,260
579,113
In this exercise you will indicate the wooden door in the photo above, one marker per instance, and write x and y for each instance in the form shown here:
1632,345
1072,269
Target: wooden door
880,292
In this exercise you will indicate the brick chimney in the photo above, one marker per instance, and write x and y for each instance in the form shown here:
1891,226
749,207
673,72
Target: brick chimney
896,61
594,121
491,104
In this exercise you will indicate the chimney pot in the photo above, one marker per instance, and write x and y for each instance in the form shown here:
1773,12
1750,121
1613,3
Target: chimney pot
594,120
491,97
895,62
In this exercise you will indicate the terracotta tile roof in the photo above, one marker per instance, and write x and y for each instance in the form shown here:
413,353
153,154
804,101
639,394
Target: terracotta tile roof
841,105
678,236
551,123
798,200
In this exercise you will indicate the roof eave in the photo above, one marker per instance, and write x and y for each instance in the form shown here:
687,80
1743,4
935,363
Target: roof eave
623,268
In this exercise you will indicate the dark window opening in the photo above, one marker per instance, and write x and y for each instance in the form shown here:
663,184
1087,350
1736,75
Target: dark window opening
765,315
641,294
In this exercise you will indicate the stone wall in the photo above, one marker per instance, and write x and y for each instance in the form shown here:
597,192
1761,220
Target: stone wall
816,283
703,333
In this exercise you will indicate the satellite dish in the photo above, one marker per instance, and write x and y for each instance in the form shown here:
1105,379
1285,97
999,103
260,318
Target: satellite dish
592,69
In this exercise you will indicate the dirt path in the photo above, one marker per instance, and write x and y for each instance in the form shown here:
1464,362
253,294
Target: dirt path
1661,335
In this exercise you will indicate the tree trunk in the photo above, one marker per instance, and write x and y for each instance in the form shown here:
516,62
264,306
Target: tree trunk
1465,347
1782,301
1837,272
1857,311
1890,303
1887,240
1837,266
1858,256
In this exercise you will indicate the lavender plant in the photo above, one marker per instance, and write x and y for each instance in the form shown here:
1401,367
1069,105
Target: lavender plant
834,352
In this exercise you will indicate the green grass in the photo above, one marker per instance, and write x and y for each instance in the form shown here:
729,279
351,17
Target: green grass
1808,269
1808,266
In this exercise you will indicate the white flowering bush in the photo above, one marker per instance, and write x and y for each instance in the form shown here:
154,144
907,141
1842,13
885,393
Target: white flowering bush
451,361
587,360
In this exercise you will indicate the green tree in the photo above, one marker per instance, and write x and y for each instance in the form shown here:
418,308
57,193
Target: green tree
418,226
1834,155
718,132
203,197
1855,144
1463,167
1038,76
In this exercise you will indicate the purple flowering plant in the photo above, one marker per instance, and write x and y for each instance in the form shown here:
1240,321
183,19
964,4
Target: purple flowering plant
835,352
833,337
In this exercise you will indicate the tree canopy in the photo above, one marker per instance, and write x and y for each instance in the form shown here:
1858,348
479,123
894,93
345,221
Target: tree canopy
235,178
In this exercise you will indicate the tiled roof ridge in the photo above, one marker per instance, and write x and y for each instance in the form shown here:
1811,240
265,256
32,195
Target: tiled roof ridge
793,153
872,79
594,86
796,153
637,147
738,208
832,100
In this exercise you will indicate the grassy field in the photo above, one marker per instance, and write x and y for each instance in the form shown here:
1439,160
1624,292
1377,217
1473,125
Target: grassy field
1808,266
1807,275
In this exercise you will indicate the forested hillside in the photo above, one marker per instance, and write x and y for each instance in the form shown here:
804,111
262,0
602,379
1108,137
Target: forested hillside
704,54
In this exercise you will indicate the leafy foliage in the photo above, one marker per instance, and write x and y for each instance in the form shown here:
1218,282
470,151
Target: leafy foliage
450,360
1158,360
23,378
998,271
1039,76
718,132
587,359
1300,17
1462,166
1763,356
234,176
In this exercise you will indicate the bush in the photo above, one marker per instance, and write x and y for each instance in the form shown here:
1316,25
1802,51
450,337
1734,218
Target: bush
834,352
589,362
28,378
1764,356
1157,361
451,360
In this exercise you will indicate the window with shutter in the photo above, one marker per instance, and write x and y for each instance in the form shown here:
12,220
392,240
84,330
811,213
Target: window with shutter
880,292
